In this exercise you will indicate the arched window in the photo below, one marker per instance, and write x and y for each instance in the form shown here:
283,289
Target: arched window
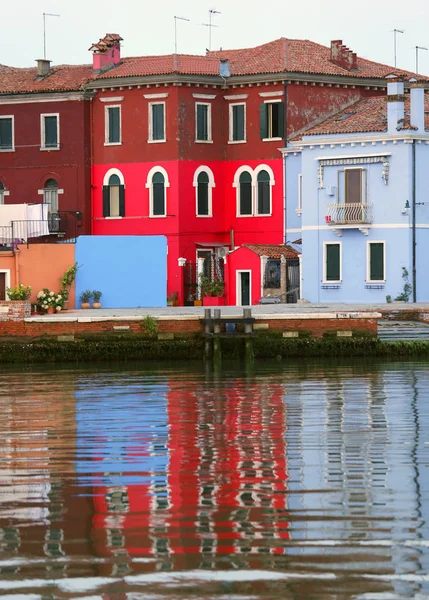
264,193
245,194
114,197
158,195
203,195
1,193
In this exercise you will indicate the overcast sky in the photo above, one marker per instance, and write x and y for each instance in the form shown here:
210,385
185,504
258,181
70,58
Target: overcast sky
147,27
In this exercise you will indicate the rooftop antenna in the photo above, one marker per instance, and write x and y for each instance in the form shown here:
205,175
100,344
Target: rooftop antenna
212,12
395,31
44,30
417,56
175,30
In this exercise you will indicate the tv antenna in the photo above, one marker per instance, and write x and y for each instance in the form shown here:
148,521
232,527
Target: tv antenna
44,30
417,56
210,25
395,31
175,30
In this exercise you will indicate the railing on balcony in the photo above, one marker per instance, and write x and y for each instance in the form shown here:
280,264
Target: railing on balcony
349,214
60,227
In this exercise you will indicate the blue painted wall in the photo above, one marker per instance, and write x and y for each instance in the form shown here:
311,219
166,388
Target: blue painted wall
130,271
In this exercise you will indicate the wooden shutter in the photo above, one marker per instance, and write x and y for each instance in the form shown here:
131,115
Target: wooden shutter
202,122
203,194
114,125
122,201
245,194
5,134
263,120
376,262
332,262
51,132
106,201
158,122
238,123
353,186
278,131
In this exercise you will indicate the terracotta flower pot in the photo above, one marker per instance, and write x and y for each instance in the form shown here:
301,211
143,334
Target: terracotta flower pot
50,310
85,305
96,305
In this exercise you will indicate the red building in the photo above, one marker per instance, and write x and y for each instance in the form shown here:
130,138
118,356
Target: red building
45,142
188,146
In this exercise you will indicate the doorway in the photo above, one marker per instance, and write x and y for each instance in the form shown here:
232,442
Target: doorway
243,288
3,286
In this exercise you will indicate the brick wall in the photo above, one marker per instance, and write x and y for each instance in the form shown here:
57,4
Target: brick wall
14,310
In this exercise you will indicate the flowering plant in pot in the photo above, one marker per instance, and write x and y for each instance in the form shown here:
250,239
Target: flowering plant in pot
49,301
19,292
85,299
96,295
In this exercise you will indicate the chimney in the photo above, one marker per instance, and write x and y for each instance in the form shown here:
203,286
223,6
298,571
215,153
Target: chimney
417,105
106,53
43,67
395,103
343,56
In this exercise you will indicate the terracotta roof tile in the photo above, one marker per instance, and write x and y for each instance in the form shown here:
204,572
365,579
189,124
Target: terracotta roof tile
62,78
273,251
164,65
365,116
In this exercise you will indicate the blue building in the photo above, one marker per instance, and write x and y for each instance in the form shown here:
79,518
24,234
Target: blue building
356,189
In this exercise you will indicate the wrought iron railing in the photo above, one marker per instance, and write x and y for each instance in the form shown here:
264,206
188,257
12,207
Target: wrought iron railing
349,214
60,227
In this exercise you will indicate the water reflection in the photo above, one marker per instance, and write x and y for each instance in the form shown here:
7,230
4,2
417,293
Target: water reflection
299,481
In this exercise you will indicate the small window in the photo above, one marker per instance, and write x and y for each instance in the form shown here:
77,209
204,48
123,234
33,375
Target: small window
272,120
376,269
272,273
157,122
203,123
113,124
332,263
264,193
158,195
1,193
203,195
245,194
6,133
114,198
50,132
237,122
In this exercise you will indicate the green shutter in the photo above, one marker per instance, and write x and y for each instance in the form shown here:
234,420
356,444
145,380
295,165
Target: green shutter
202,122
5,134
122,201
51,132
238,133
158,122
332,262
280,120
245,183
114,125
203,194
263,120
106,201
376,262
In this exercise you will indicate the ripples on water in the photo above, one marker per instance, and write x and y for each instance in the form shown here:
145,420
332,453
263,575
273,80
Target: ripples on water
305,481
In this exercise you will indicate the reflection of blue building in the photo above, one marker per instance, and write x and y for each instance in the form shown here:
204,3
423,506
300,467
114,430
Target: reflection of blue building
356,194
122,434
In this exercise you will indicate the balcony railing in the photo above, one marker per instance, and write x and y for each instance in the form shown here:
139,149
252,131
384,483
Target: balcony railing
60,227
349,214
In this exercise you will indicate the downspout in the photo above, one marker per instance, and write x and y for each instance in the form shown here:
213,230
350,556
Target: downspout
284,165
413,218
91,164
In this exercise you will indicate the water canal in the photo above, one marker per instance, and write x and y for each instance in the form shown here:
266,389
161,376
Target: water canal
306,480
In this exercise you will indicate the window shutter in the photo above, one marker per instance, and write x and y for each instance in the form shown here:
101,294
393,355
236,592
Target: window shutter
202,122
158,122
106,201
51,133
376,265
114,127
245,194
238,123
122,201
332,262
263,120
353,186
5,133
280,120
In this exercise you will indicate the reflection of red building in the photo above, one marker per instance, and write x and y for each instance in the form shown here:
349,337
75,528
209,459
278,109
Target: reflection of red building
224,490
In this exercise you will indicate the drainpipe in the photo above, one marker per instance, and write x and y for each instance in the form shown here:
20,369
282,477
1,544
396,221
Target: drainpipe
284,165
413,218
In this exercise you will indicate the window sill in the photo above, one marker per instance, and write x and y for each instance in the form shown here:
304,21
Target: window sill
157,216
46,149
204,141
7,149
381,282
204,216
274,139
112,218
237,141
156,141
332,282
113,143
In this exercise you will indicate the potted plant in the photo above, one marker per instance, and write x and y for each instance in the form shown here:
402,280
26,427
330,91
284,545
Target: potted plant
85,299
213,292
96,295
19,292
49,301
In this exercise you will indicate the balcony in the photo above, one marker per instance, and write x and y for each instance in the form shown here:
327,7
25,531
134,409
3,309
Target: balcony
349,215
60,227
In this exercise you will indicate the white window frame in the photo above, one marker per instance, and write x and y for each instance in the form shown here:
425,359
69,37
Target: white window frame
236,184
368,263
106,178
325,265
231,123
209,139
42,132
204,169
299,206
7,281
12,117
258,169
106,125
150,121
149,186
238,287
272,101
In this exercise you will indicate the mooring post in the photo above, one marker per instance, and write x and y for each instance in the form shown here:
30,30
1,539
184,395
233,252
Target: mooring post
217,351
248,340
207,331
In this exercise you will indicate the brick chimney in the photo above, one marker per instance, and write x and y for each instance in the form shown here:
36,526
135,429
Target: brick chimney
395,103
343,56
106,53
417,105
43,67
